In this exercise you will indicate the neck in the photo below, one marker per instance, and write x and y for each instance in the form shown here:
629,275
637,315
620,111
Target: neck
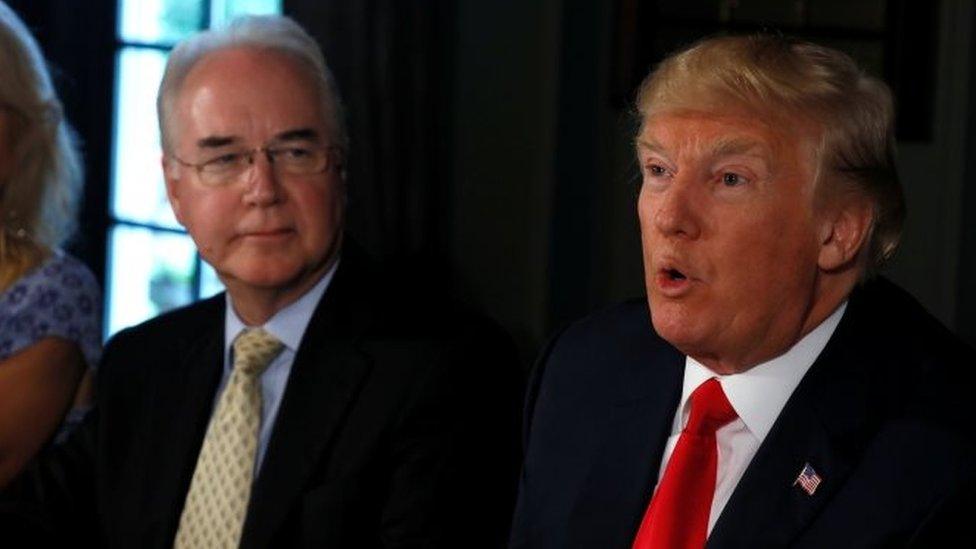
18,256
255,306
830,290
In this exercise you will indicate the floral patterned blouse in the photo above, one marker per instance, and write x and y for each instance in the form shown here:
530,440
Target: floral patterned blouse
58,298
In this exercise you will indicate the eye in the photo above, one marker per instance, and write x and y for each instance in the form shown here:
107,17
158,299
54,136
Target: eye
655,170
297,153
732,179
294,154
223,161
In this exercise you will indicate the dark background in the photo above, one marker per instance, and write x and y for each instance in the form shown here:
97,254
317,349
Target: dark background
491,147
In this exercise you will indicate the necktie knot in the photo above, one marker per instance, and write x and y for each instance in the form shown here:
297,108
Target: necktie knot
710,409
254,349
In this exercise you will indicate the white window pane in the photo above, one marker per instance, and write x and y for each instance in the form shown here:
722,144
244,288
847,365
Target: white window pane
222,11
138,192
159,21
209,283
150,273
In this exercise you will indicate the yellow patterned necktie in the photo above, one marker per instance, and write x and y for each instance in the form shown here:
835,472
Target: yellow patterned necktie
213,515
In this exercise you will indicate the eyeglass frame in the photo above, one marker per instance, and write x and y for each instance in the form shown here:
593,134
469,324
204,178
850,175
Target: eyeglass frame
250,155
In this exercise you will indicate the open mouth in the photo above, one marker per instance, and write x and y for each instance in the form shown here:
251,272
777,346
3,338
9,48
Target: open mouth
674,274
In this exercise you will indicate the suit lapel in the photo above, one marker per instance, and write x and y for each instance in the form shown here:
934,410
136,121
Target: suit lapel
621,482
181,407
325,378
824,424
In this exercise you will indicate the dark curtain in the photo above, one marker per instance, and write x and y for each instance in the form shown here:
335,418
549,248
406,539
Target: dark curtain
392,62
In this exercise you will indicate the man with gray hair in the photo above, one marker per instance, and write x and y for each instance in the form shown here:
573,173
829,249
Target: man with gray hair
769,391
317,402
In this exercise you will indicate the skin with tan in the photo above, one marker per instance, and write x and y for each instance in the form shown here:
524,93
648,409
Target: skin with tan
742,258
270,238
39,383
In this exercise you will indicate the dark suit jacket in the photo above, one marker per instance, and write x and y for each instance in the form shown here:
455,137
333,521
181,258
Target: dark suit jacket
398,428
884,416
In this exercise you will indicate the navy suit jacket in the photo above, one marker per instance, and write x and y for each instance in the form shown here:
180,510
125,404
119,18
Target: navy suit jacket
398,428
884,415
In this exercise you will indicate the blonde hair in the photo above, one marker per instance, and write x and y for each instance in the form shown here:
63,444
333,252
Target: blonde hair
39,198
779,76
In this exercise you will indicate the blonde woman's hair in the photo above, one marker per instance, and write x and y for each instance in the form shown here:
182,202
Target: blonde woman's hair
39,197
790,79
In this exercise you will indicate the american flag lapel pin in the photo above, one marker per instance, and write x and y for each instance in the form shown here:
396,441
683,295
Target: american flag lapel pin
808,479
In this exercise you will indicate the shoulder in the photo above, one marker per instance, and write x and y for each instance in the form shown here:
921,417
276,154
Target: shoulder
609,356
179,324
889,327
413,337
164,334
383,302
885,310
919,378
624,323
593,348
438,336
58,298
58,279
64,269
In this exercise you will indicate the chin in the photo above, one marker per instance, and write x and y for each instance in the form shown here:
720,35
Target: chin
265,274
678,326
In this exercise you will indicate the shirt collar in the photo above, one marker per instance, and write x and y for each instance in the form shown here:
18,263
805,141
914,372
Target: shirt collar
759,394
288,324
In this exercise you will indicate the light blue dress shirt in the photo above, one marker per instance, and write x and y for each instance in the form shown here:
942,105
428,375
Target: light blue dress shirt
288,325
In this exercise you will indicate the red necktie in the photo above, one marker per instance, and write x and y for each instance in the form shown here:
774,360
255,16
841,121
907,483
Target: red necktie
678,514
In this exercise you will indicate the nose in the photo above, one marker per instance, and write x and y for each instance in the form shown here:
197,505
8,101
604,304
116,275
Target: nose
674,210
262,182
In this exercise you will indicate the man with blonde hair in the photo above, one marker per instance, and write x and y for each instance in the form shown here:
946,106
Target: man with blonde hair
320,402
771,390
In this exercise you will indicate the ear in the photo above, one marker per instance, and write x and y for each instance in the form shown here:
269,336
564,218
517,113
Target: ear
172,173
844,232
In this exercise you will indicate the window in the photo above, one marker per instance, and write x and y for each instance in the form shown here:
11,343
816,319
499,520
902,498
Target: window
152,263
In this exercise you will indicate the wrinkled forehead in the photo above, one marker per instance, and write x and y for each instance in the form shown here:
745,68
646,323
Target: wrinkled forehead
247,93
729,120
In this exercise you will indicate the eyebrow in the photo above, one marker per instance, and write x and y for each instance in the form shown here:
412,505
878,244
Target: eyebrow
737,146
723,147
214,141
300,134
217,141
652,145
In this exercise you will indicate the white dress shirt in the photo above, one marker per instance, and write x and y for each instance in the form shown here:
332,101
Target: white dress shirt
758,395
288,325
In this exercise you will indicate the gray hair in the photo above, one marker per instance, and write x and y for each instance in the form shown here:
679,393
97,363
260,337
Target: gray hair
775,75
39,199
272,32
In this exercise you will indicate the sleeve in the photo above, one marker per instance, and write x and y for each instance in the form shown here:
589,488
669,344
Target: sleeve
60,299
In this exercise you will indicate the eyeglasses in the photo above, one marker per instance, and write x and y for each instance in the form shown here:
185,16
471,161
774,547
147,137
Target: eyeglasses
286,160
